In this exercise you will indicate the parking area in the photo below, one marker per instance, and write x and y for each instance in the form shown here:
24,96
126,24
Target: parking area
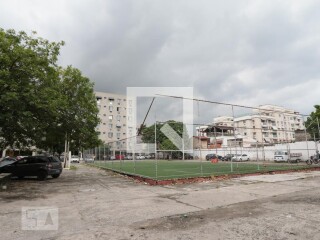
98,204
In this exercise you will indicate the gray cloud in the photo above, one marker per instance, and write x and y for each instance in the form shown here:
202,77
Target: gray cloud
249,52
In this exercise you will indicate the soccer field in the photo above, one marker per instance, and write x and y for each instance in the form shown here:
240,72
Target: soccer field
174,169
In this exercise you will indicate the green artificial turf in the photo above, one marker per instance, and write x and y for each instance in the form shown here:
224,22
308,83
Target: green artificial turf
173,169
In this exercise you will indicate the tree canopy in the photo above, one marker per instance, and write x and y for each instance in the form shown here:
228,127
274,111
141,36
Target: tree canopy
40,102
163,143
313,123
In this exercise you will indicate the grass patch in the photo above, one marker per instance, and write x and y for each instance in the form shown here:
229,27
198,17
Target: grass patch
72,167
164,169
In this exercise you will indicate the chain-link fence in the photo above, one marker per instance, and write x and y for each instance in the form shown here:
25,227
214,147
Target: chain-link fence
239,140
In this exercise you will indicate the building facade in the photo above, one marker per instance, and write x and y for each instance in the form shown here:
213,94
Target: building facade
113,116
268,124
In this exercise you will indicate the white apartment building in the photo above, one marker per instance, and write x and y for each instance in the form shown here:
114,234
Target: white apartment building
112,112
223,121
268,124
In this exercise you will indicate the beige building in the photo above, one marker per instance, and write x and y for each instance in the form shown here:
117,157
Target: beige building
268,124
112,112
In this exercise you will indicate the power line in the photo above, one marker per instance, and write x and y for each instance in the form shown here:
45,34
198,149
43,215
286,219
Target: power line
145,117
227,104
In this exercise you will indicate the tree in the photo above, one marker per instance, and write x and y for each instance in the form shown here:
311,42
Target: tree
313,122
80,113
28,87
163,143
42,104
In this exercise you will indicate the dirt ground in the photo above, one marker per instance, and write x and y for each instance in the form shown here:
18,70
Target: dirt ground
97,204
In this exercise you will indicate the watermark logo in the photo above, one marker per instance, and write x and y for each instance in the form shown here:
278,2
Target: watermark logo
39,218
183,142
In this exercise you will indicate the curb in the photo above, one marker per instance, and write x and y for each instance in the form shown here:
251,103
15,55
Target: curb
154,182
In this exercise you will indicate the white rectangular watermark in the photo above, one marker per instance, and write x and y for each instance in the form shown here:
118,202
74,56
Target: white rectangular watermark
181,142
39,218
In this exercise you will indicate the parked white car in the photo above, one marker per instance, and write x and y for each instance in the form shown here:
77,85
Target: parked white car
240,157
75,159
140,157
89,159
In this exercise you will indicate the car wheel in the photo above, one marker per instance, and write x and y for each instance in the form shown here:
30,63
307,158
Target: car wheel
248,159
240,159
42,175
55,175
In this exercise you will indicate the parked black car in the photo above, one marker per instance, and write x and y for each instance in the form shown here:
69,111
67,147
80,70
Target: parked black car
228,157
212,156
40,166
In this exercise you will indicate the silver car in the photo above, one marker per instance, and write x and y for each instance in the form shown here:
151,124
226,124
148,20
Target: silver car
240,157
89,159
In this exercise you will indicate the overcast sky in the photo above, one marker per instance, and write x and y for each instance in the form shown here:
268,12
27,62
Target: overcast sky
247,52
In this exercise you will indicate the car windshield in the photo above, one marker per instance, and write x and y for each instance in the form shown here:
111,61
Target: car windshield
54,159
8,159
279,153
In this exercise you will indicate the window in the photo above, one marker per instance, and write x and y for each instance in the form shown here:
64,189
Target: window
118,109
118,117
110,134
118,135
110,125
110,108
110,117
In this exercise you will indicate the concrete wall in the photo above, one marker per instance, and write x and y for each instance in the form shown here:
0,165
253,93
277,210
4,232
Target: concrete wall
306,148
